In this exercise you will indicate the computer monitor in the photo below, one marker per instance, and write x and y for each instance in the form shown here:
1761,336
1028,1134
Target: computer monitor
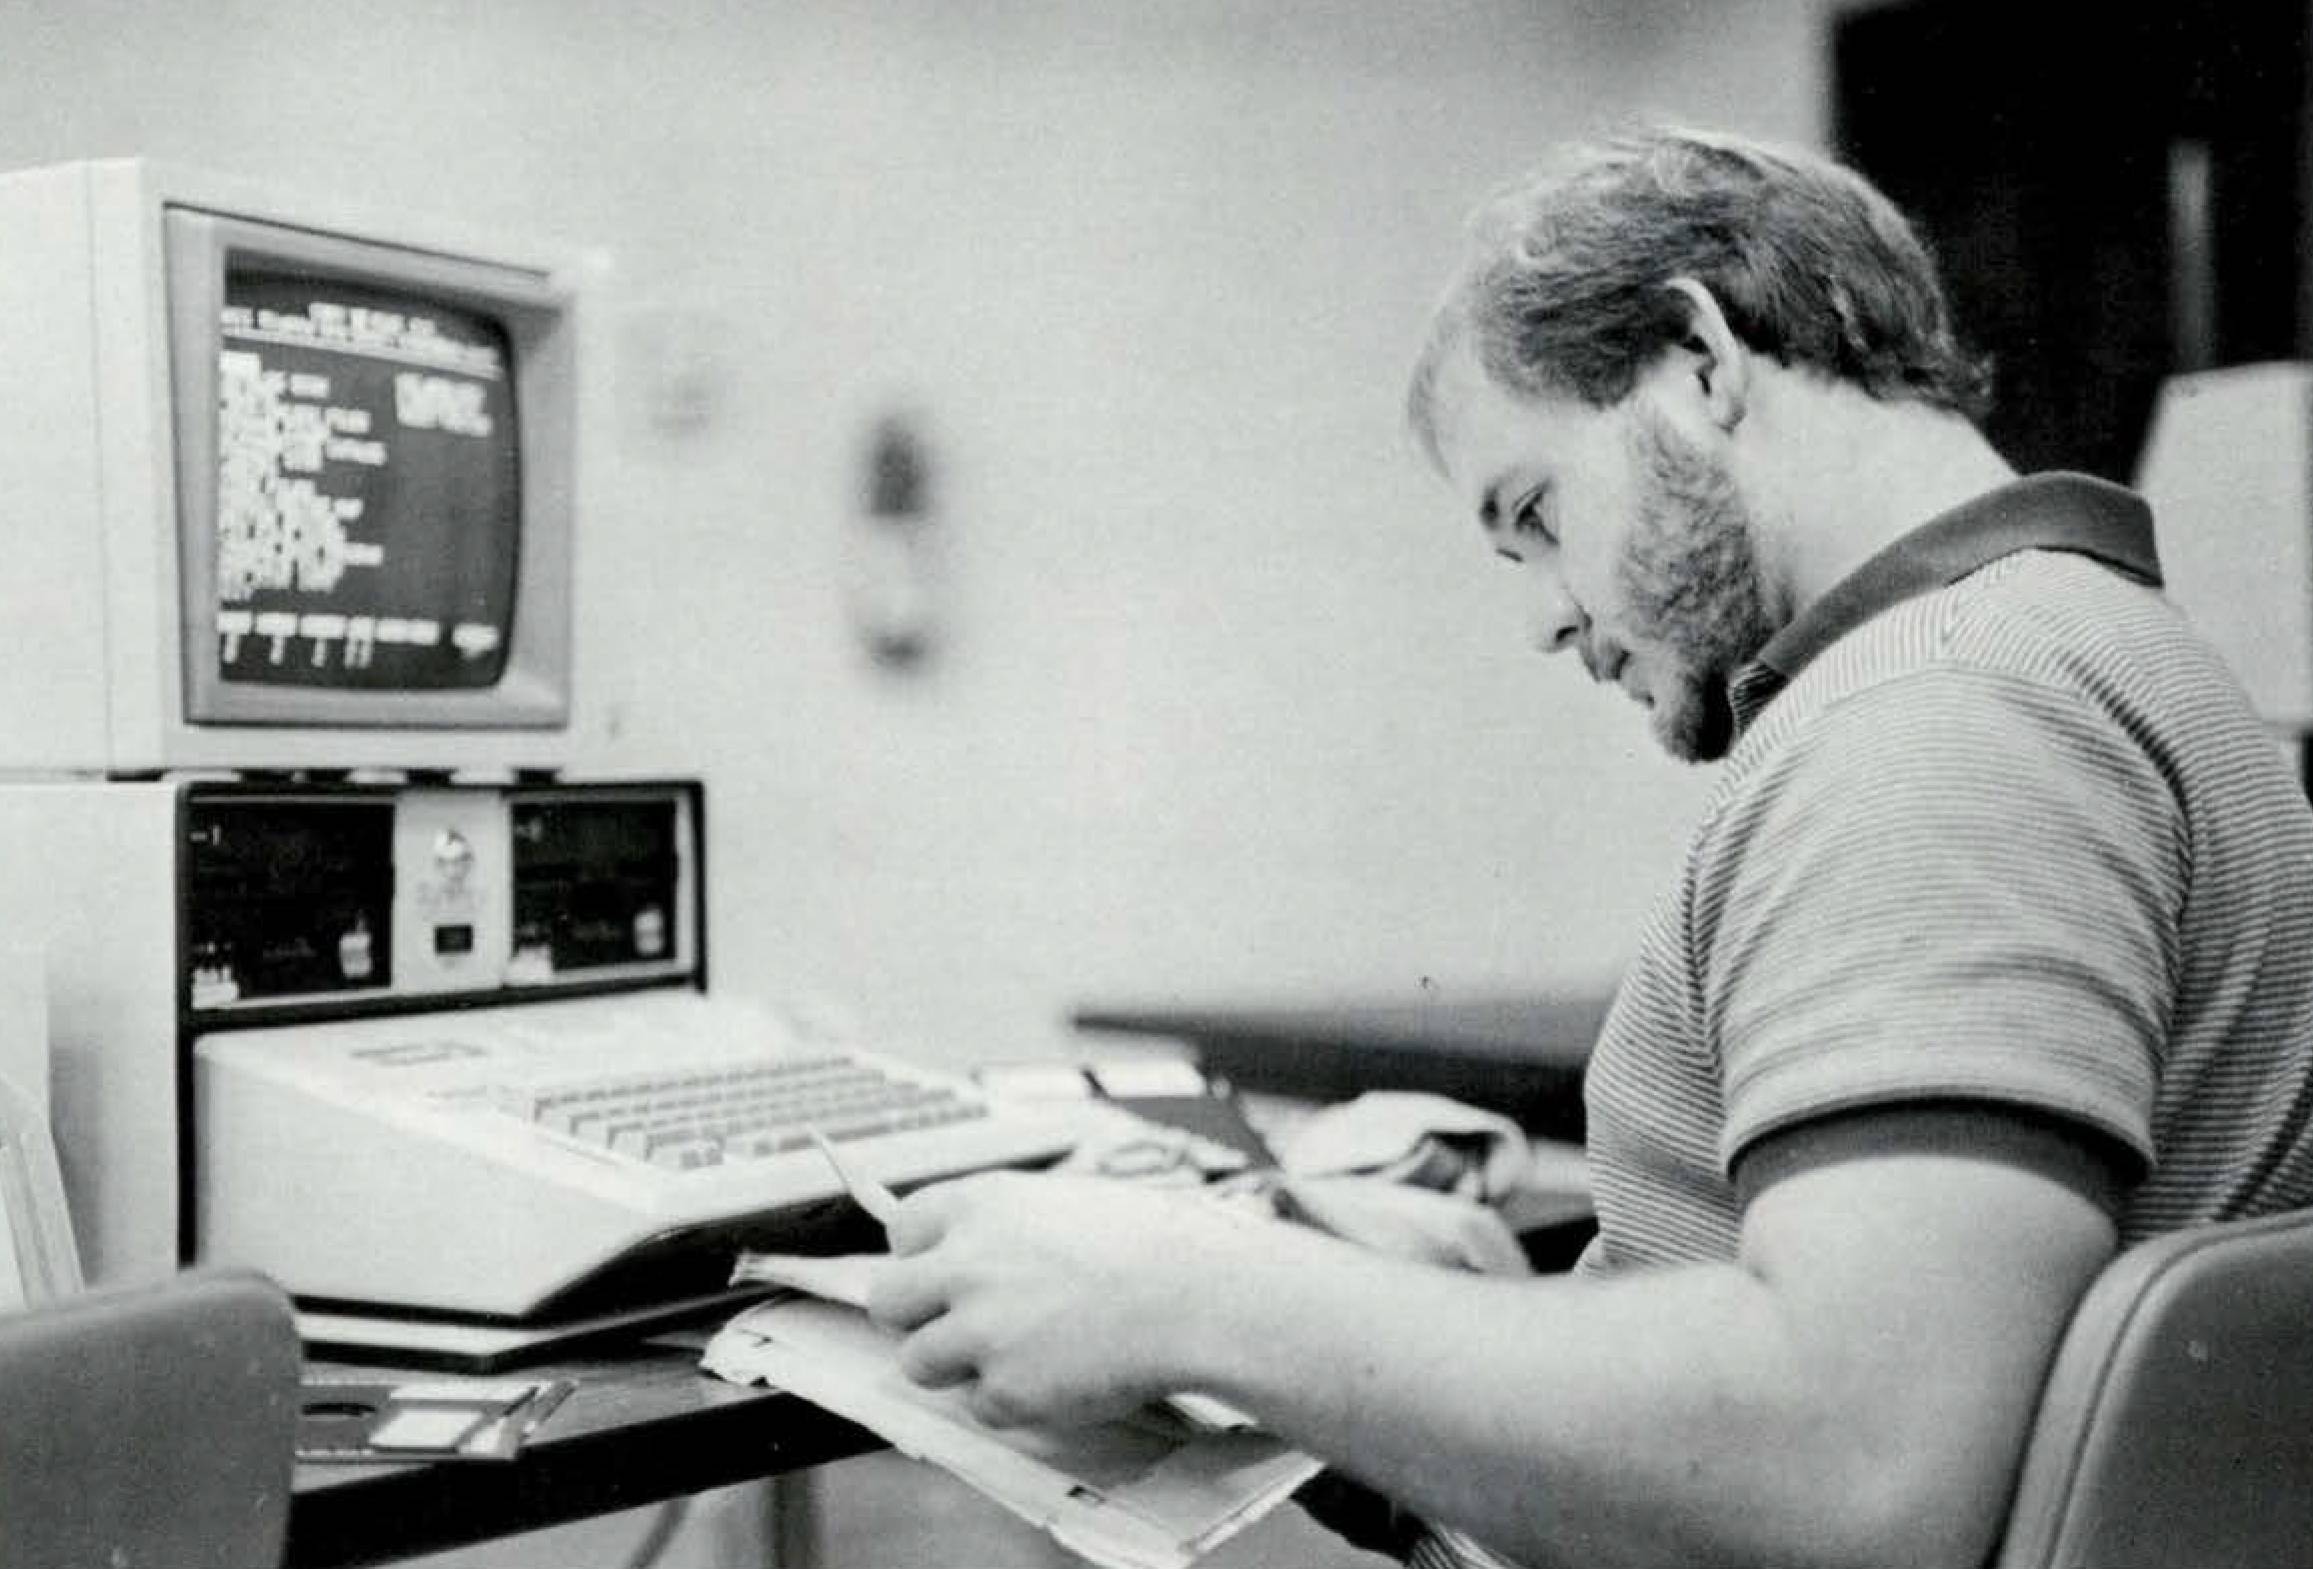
290,484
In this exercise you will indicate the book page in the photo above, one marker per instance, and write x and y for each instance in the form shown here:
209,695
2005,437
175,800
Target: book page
1152,1492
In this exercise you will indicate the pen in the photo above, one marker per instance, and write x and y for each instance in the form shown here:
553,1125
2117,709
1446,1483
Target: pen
865,1191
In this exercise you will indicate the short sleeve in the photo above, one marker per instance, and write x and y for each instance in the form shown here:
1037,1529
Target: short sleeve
1960,884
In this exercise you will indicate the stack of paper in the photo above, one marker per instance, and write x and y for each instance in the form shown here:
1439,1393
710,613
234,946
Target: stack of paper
1151,1492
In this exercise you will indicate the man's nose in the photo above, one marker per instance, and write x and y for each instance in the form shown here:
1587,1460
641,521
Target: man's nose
1558,620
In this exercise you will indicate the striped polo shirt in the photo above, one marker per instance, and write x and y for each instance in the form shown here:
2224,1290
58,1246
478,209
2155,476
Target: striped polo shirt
1997,828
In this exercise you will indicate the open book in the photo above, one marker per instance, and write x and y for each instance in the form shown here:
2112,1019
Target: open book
1150,1492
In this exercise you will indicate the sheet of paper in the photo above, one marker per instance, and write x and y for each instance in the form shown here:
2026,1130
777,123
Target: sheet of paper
1035,1080
1151,1493
1125,1077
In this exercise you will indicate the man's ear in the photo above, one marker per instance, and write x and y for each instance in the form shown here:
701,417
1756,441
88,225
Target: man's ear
1713,356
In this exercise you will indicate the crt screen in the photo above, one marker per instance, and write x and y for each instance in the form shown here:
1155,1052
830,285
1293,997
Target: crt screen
369,488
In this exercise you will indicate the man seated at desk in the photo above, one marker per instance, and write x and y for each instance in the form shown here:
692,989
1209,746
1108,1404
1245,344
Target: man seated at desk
1992,953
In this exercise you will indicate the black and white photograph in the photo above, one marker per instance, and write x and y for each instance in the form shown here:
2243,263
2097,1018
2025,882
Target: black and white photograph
1203,784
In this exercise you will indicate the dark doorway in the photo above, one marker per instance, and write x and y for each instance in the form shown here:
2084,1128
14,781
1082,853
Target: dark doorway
2114,192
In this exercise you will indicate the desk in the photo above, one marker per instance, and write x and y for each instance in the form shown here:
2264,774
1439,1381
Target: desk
645,1425
1521,1056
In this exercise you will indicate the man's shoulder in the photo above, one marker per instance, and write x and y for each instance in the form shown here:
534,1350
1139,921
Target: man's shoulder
2038,684
2046,621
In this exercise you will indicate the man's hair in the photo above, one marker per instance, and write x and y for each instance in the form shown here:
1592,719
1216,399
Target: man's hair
1565,289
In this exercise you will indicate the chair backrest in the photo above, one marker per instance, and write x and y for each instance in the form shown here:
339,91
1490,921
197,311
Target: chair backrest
152,1428
2176,1430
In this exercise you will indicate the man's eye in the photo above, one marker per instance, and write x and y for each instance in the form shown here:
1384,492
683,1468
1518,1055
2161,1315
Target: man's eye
1528,520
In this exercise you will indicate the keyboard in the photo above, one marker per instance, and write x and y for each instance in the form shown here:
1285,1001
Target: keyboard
752,1111
512,1163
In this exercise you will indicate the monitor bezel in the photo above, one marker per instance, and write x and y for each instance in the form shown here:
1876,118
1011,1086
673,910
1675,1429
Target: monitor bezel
534,691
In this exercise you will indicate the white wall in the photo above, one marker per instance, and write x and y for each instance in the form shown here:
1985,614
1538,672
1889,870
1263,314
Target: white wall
1229,700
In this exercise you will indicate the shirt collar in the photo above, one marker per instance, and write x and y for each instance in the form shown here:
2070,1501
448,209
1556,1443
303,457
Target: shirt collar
2056,511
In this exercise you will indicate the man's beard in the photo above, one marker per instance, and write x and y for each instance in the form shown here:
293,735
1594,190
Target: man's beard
1690,580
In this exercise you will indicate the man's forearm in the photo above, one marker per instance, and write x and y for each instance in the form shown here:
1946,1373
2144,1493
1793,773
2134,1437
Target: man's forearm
1702,1414
1559,1421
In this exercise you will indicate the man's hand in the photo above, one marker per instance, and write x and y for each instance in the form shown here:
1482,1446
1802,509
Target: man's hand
1055,1300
